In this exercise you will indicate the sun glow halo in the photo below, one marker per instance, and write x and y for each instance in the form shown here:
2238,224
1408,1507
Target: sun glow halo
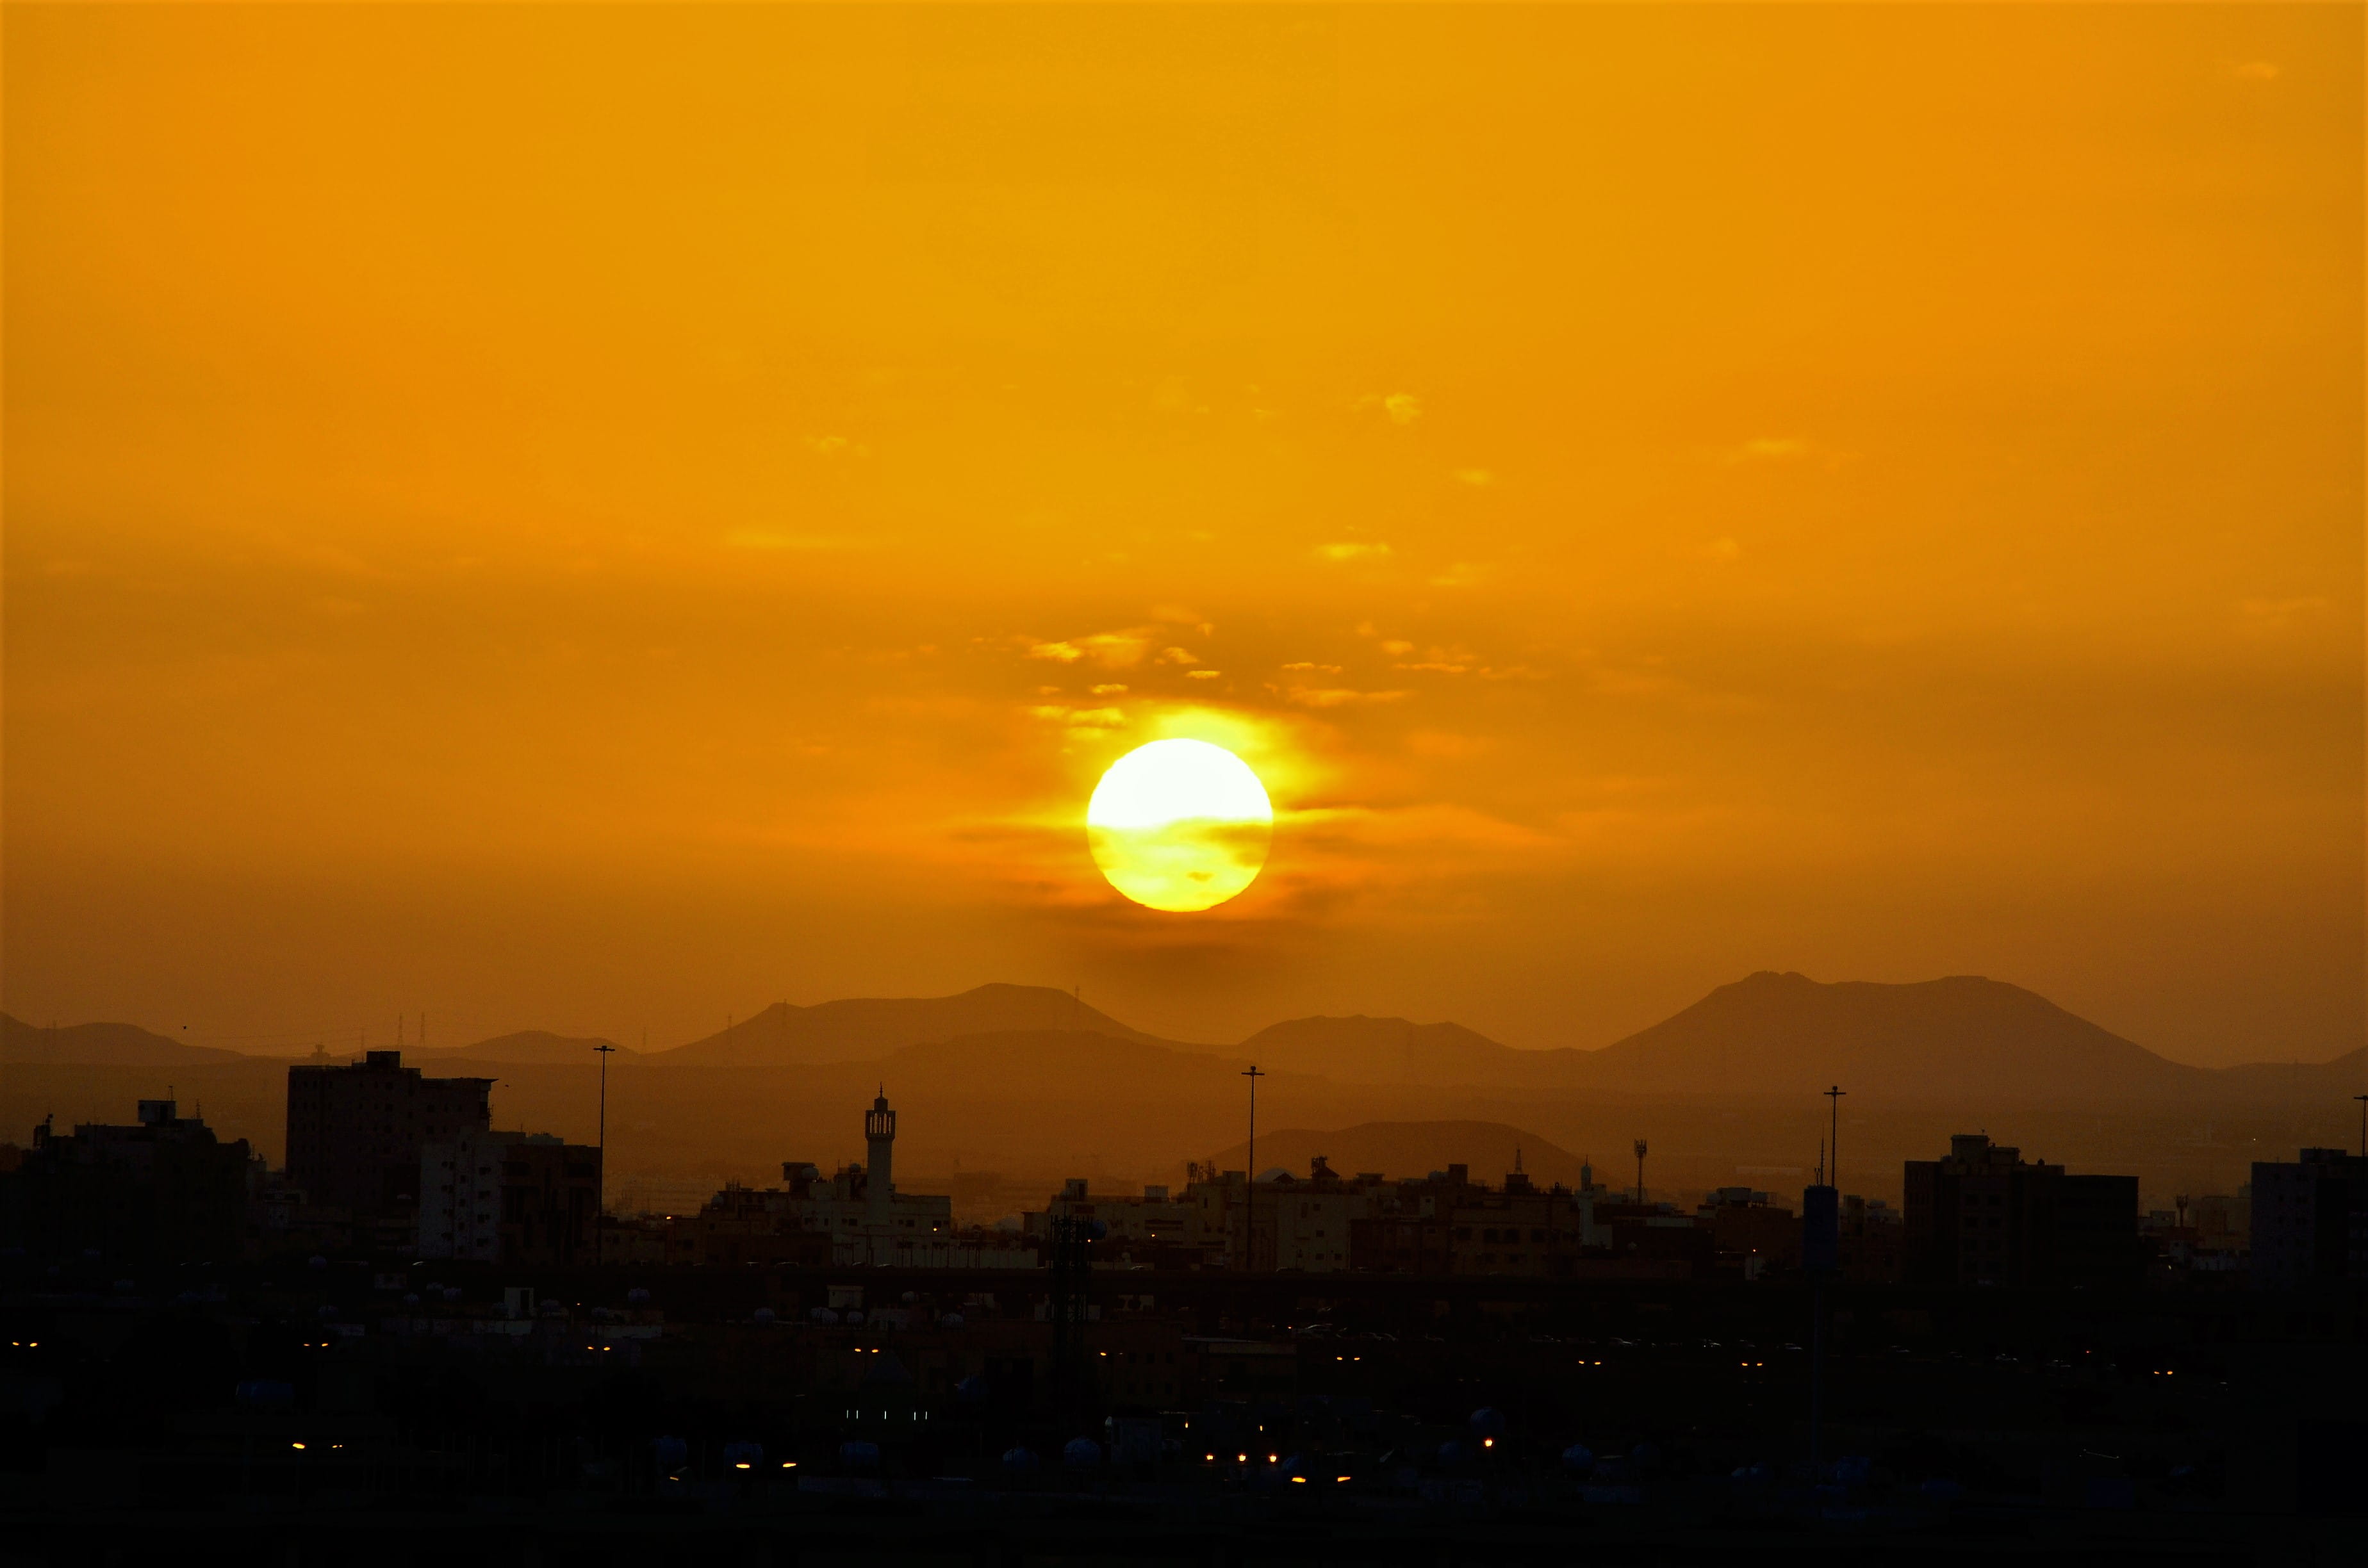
1179,824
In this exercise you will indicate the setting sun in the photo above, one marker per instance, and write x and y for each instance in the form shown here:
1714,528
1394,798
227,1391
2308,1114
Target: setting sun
1179,824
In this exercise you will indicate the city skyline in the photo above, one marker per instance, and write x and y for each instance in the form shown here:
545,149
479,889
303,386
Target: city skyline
1199,783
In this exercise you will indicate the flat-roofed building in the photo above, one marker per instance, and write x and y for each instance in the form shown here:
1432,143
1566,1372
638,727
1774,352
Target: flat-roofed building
2310,1220
355,1131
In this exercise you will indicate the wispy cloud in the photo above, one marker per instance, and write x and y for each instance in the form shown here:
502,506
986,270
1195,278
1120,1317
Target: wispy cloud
1398,407
1332,697
1765,448
1115,650
1079,717
1353,549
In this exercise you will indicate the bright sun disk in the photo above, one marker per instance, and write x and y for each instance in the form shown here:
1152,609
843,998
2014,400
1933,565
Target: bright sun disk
1179,824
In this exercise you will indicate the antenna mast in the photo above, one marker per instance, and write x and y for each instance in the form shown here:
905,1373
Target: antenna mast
1249,1188
600,1191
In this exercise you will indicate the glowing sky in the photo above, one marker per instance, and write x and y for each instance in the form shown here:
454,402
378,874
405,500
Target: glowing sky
582,518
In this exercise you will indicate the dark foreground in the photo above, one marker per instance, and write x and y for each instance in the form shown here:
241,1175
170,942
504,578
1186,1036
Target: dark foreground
406,1413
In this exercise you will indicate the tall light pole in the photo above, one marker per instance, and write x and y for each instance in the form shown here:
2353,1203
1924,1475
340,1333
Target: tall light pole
2363,1124
1249,1191
1820,1254
1834,1137
1640,1173
600,1194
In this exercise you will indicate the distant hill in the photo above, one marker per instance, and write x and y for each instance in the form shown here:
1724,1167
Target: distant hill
1964,1043
101,1045
867,1030
1394,1051
1396,1149
528,1045
1964,1037
2341,1079
1020,1063
1961,1039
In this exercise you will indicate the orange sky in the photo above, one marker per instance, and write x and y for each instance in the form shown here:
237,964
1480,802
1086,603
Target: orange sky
588,517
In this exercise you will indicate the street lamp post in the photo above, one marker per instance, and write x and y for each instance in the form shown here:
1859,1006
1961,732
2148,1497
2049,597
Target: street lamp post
1249,1189
600,1194
1834,1137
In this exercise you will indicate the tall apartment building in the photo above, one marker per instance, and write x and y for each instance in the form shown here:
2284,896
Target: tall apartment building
2310,1220
509,1197
1986,1216
354,1131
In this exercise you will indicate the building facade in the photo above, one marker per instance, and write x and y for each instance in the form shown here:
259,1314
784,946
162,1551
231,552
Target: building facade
355,1131
509,1197
1986,1216
2310,1220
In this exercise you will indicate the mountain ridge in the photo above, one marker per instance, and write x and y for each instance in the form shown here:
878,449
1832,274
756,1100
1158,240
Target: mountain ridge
1768,1035
871,1028
102,1045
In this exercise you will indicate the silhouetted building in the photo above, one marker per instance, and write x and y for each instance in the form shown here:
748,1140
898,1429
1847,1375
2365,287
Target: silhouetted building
162,1190
1985,1216
354,1131
282,1219
460,1196
856,1216
1151,1230
509,1197
2310,1220
1447,1223
751,1224
1750,1234
1869,1241
551,1200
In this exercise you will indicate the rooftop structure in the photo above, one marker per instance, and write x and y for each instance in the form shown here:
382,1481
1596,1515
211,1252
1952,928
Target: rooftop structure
356,1131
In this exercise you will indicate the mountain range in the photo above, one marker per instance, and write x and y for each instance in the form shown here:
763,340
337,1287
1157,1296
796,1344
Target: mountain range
1962,1038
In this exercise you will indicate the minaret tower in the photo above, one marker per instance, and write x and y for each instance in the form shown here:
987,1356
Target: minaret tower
879,1169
